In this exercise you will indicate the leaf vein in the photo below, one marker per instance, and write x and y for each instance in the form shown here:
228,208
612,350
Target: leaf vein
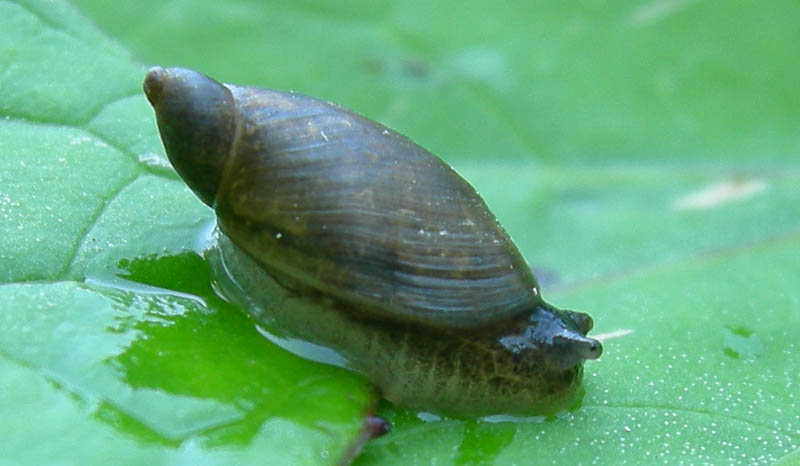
96,216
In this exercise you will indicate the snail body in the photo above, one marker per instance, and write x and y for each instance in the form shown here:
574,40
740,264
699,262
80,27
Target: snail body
348,235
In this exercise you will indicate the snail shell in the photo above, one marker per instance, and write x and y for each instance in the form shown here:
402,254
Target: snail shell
385,240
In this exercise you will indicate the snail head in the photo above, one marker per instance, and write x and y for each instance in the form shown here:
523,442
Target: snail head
559,335
197,120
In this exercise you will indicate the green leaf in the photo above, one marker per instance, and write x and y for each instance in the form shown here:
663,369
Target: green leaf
113,347
642,155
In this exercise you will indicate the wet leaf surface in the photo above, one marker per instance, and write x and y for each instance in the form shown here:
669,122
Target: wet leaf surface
643,156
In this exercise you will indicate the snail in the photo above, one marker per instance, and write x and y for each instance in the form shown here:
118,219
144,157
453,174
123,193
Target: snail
348,235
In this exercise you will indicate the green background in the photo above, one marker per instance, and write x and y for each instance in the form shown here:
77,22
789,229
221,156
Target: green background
645,156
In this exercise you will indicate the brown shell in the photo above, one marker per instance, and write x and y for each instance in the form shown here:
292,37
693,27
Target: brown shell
352,209
334,203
